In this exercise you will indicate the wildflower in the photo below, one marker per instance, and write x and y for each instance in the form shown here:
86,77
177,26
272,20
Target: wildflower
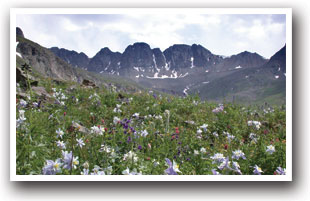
116,120
144,133
136,115
256,124
155,163
236,167
281,171
97,130
130,156
196,152
59,133
117,110
204,127
173,168
51,167
230,137
134,172
270,149
80,142
214,172
86,165
61,144
199,132
215,134
67,159
106,149
139,147
203,150
238,154
257,170
225,164
109,170
218,109
97,171
217,158
22,103
85,172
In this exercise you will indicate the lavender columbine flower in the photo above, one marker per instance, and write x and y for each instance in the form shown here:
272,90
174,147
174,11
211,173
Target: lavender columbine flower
281,171
214,172
144,133
217,158
80,142
172,169
85,172
225,164
97,171
59,133
61,144
238,154
270,149
22,103
236,167
204,127
67,159
51,167
133,172
257,170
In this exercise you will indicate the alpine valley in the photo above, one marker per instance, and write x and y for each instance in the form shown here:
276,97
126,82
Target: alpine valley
180,70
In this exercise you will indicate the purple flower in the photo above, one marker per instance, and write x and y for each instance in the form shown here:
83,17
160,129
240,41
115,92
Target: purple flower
172,169
281,171
238,154
51,167
257,170
214,172
139,147
67,159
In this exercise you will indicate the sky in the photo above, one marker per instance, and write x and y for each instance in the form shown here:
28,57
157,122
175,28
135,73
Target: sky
221,34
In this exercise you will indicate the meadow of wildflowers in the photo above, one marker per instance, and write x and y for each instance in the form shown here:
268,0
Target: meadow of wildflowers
100,132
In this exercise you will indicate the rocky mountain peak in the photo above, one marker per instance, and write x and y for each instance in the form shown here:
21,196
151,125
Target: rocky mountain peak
19,32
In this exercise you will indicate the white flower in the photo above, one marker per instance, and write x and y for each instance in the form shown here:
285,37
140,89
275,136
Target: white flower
196,152
144,133
270,149
238,154
80,142
75,162
204,127
51,167
199,132
136,115
59,133
256,124
116,110
130,156
97,130
22,103
257,170
203,150
61,144
97,171
127,172
116,120
217,158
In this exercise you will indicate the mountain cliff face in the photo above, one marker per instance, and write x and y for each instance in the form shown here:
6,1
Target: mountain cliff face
72,57
180,69
105,61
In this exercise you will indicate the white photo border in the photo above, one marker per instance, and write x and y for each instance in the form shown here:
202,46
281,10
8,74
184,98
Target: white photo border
16,11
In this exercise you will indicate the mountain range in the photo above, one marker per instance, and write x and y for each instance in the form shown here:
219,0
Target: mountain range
180,69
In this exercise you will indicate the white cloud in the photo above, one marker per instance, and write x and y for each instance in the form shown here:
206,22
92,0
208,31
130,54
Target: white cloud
221,34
